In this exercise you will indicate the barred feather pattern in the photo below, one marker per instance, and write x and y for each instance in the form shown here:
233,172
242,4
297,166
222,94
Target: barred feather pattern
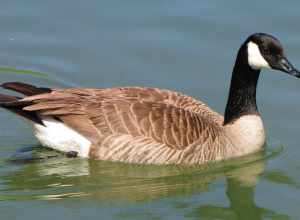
138,125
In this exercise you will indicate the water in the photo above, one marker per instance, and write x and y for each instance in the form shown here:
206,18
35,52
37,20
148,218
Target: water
188,46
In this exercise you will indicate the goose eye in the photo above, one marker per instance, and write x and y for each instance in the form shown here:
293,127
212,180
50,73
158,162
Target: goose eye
265,50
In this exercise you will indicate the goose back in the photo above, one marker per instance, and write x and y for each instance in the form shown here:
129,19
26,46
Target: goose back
137,125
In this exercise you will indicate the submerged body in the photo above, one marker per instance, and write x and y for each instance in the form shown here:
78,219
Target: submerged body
153,126
136,136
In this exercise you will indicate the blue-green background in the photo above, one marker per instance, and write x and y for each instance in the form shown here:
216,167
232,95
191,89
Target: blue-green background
189,46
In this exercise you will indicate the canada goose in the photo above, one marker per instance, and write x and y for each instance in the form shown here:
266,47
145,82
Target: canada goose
153,126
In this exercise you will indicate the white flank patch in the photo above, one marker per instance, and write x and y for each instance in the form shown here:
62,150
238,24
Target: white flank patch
58,136
255,59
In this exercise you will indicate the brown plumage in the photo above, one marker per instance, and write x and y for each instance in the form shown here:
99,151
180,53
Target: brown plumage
153,126
169,123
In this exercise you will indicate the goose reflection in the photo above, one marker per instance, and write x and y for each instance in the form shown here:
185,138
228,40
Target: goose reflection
242,205
49,175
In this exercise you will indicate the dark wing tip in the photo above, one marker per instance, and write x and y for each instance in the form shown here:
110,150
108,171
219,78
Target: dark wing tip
7,99
24,88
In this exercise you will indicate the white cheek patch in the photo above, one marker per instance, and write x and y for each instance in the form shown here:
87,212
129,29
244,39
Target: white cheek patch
255,59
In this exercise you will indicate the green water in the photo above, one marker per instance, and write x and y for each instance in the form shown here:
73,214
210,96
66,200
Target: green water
188,46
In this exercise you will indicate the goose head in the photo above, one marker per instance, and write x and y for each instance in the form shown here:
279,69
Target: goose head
265,51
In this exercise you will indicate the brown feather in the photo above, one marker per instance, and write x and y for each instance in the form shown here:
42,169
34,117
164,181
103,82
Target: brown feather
174,122
25,89
140,125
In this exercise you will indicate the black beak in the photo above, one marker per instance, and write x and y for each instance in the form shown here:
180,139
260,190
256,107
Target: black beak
284,65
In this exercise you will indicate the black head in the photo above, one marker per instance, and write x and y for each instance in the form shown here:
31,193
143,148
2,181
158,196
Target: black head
265,51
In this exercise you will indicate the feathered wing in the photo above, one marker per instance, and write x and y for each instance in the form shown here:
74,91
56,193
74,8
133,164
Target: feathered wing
140,94
138,125
135,126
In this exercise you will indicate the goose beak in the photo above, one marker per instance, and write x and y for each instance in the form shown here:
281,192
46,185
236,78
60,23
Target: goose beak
284,65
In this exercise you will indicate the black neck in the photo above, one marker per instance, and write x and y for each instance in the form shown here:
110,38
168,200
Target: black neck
242,94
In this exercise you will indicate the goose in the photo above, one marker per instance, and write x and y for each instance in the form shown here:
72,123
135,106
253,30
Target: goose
150,125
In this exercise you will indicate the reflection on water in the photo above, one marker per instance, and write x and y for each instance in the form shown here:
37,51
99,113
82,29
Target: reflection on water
40,174
242,205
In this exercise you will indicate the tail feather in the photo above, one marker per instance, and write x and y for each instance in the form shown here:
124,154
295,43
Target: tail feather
13,104
7,99
25,89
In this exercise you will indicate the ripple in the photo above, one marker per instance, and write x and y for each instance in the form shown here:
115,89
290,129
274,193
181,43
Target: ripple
42,174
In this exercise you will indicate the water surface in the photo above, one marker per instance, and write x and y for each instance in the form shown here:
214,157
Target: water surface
188,46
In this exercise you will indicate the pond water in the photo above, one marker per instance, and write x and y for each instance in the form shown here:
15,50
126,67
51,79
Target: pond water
188,46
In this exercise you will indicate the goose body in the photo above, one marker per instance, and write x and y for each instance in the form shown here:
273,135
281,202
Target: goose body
149,125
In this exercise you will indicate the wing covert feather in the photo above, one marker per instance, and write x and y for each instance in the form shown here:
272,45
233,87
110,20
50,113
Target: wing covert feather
168,118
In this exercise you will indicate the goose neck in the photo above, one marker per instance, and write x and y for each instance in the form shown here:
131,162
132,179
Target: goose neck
242,94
